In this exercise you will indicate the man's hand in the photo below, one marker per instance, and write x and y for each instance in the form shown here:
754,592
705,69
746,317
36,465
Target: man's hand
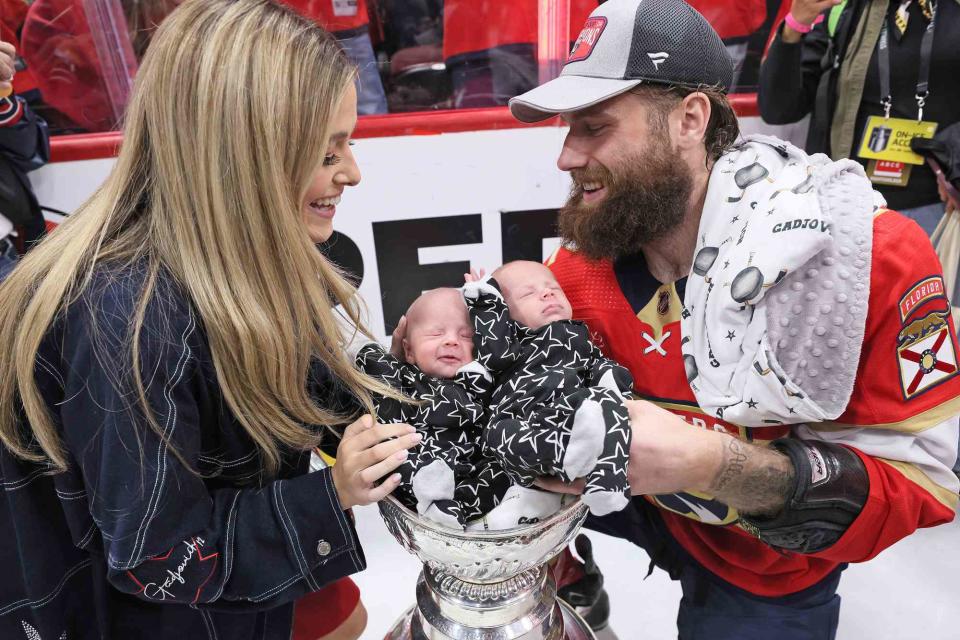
475,275
559,486
8,58
805,12
367,452
668,455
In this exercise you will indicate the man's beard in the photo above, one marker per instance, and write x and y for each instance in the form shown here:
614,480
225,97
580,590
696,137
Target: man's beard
645,199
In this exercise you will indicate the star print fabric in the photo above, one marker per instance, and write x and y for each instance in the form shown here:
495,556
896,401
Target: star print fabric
781,276
444,477
557,408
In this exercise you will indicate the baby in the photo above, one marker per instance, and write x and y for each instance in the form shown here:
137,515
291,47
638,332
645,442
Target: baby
445,478
557,408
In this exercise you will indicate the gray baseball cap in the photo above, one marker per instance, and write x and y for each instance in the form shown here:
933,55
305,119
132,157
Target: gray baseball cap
625,43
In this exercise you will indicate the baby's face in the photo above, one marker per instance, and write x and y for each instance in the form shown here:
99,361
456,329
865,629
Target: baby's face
439,336
533,295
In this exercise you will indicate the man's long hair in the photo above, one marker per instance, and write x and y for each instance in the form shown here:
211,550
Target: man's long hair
227,123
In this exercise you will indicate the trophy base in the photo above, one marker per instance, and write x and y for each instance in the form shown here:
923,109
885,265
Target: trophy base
574,628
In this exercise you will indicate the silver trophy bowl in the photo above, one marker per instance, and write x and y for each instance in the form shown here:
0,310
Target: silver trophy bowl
486,585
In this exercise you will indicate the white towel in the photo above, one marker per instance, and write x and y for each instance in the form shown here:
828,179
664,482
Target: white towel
776,303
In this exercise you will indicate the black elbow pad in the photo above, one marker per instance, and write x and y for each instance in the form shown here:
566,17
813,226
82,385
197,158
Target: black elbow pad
830,488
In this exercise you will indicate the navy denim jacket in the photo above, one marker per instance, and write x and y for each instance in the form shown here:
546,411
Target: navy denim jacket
128,543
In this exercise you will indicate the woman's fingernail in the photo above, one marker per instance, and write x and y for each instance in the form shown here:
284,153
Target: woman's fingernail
400,455
417,437
395,477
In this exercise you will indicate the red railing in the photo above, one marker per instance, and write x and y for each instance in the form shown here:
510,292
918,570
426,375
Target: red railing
92,146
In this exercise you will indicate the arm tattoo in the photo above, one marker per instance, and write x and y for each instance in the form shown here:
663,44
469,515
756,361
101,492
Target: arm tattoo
753,479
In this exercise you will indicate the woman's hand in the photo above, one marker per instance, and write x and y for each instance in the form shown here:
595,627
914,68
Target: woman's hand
475,275
367,452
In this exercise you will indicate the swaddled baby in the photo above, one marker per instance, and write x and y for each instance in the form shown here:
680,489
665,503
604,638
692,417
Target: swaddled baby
557,408
446,478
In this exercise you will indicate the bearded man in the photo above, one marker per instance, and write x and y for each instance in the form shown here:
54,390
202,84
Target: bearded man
790,335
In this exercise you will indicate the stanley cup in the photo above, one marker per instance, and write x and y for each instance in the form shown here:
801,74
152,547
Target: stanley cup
486,585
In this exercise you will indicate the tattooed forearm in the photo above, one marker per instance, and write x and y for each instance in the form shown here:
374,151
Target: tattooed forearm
732,468
752,479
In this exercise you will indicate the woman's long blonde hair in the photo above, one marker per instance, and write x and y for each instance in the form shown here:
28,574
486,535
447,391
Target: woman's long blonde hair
227,123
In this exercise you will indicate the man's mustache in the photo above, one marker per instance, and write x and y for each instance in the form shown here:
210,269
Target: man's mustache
587,175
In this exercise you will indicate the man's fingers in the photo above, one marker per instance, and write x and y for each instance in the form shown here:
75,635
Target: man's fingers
557,485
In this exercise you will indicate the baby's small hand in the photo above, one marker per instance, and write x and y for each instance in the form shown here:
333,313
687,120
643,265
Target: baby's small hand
475,275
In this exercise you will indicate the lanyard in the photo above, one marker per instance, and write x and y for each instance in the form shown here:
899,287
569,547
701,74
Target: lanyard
923,80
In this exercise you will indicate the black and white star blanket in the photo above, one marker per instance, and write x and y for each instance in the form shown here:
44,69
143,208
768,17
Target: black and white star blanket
450,415
557,406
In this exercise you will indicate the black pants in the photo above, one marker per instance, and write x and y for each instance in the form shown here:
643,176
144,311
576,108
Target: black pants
713,609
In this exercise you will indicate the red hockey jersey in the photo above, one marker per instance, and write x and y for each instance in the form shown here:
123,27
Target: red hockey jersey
333,15
732,19
478,25
901,418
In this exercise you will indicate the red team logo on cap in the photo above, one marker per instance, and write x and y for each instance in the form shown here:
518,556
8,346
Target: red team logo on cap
588,38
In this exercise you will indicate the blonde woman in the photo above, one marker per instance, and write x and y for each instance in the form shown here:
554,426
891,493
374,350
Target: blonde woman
170,355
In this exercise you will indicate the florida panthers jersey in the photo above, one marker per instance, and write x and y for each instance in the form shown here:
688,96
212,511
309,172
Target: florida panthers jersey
901,418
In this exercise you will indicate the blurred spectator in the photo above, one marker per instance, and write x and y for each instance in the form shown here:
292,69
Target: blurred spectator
143,18
410,44
825,60
406,24
68,60
735,21
349,23
490,47
12,13
24,146
84,76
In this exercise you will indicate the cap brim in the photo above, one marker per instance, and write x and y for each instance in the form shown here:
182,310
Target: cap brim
565,94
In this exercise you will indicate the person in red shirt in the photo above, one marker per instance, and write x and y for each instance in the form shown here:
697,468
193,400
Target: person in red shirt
790,336
349,23
490,47
68,58
734,21
59,49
